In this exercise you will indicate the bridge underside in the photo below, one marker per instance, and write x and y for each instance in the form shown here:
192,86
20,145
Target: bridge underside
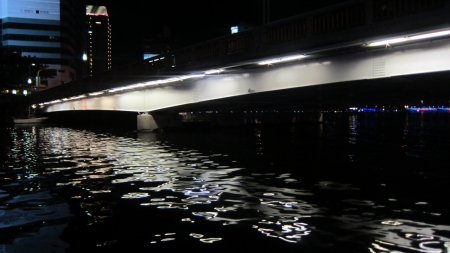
426,89
395,76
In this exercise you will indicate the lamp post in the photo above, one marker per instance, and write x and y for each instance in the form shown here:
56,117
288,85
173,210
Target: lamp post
38,80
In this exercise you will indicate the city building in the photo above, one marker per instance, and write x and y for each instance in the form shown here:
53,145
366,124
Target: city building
98,40
50,30
159,43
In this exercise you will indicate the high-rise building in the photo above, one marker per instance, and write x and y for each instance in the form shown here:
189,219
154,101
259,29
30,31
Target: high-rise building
98,39
50,30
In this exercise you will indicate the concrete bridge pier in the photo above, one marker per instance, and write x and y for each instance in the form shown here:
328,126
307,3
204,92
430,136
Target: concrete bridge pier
149,122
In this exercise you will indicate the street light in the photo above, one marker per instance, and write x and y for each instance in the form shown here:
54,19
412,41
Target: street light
38,80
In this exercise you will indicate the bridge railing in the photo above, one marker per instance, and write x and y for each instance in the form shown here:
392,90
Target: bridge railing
383,9
353,19
341,19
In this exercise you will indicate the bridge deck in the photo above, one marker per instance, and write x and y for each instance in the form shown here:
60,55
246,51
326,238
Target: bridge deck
342,29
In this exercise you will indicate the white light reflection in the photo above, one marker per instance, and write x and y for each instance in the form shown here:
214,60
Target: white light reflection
210,240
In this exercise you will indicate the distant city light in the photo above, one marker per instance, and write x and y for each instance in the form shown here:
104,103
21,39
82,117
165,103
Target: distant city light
365,109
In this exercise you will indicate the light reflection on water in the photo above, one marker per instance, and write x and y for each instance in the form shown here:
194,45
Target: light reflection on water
189,192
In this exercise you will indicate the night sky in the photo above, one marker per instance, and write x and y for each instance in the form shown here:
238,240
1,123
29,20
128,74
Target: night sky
190,22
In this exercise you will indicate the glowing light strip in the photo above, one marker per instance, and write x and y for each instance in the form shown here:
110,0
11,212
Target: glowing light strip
191,76
284,59
430,35
416,37
130,87
96,93
213,71
387,42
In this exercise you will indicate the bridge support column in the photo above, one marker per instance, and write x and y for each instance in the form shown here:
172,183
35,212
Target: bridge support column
146,121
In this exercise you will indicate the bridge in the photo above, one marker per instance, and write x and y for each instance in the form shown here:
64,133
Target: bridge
356,53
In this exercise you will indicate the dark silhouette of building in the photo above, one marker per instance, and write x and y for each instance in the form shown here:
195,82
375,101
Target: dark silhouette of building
159,43
98,40
51,31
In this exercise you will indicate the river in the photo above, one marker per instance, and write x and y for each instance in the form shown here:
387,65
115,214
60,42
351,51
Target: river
359,182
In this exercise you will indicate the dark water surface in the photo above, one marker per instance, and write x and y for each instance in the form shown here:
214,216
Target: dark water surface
357,183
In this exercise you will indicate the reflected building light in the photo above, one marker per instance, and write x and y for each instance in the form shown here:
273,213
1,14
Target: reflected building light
284,59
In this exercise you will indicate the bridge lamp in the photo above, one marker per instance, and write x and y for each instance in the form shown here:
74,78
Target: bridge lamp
269,62
388,42
171,80
71,98
191,76
150,83
430,35
96,93
213,71
416,37
117,89
284,59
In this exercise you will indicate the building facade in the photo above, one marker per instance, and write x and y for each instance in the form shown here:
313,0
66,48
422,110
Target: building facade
98,40
49,30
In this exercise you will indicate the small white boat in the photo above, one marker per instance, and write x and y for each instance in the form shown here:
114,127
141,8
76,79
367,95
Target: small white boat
30,120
